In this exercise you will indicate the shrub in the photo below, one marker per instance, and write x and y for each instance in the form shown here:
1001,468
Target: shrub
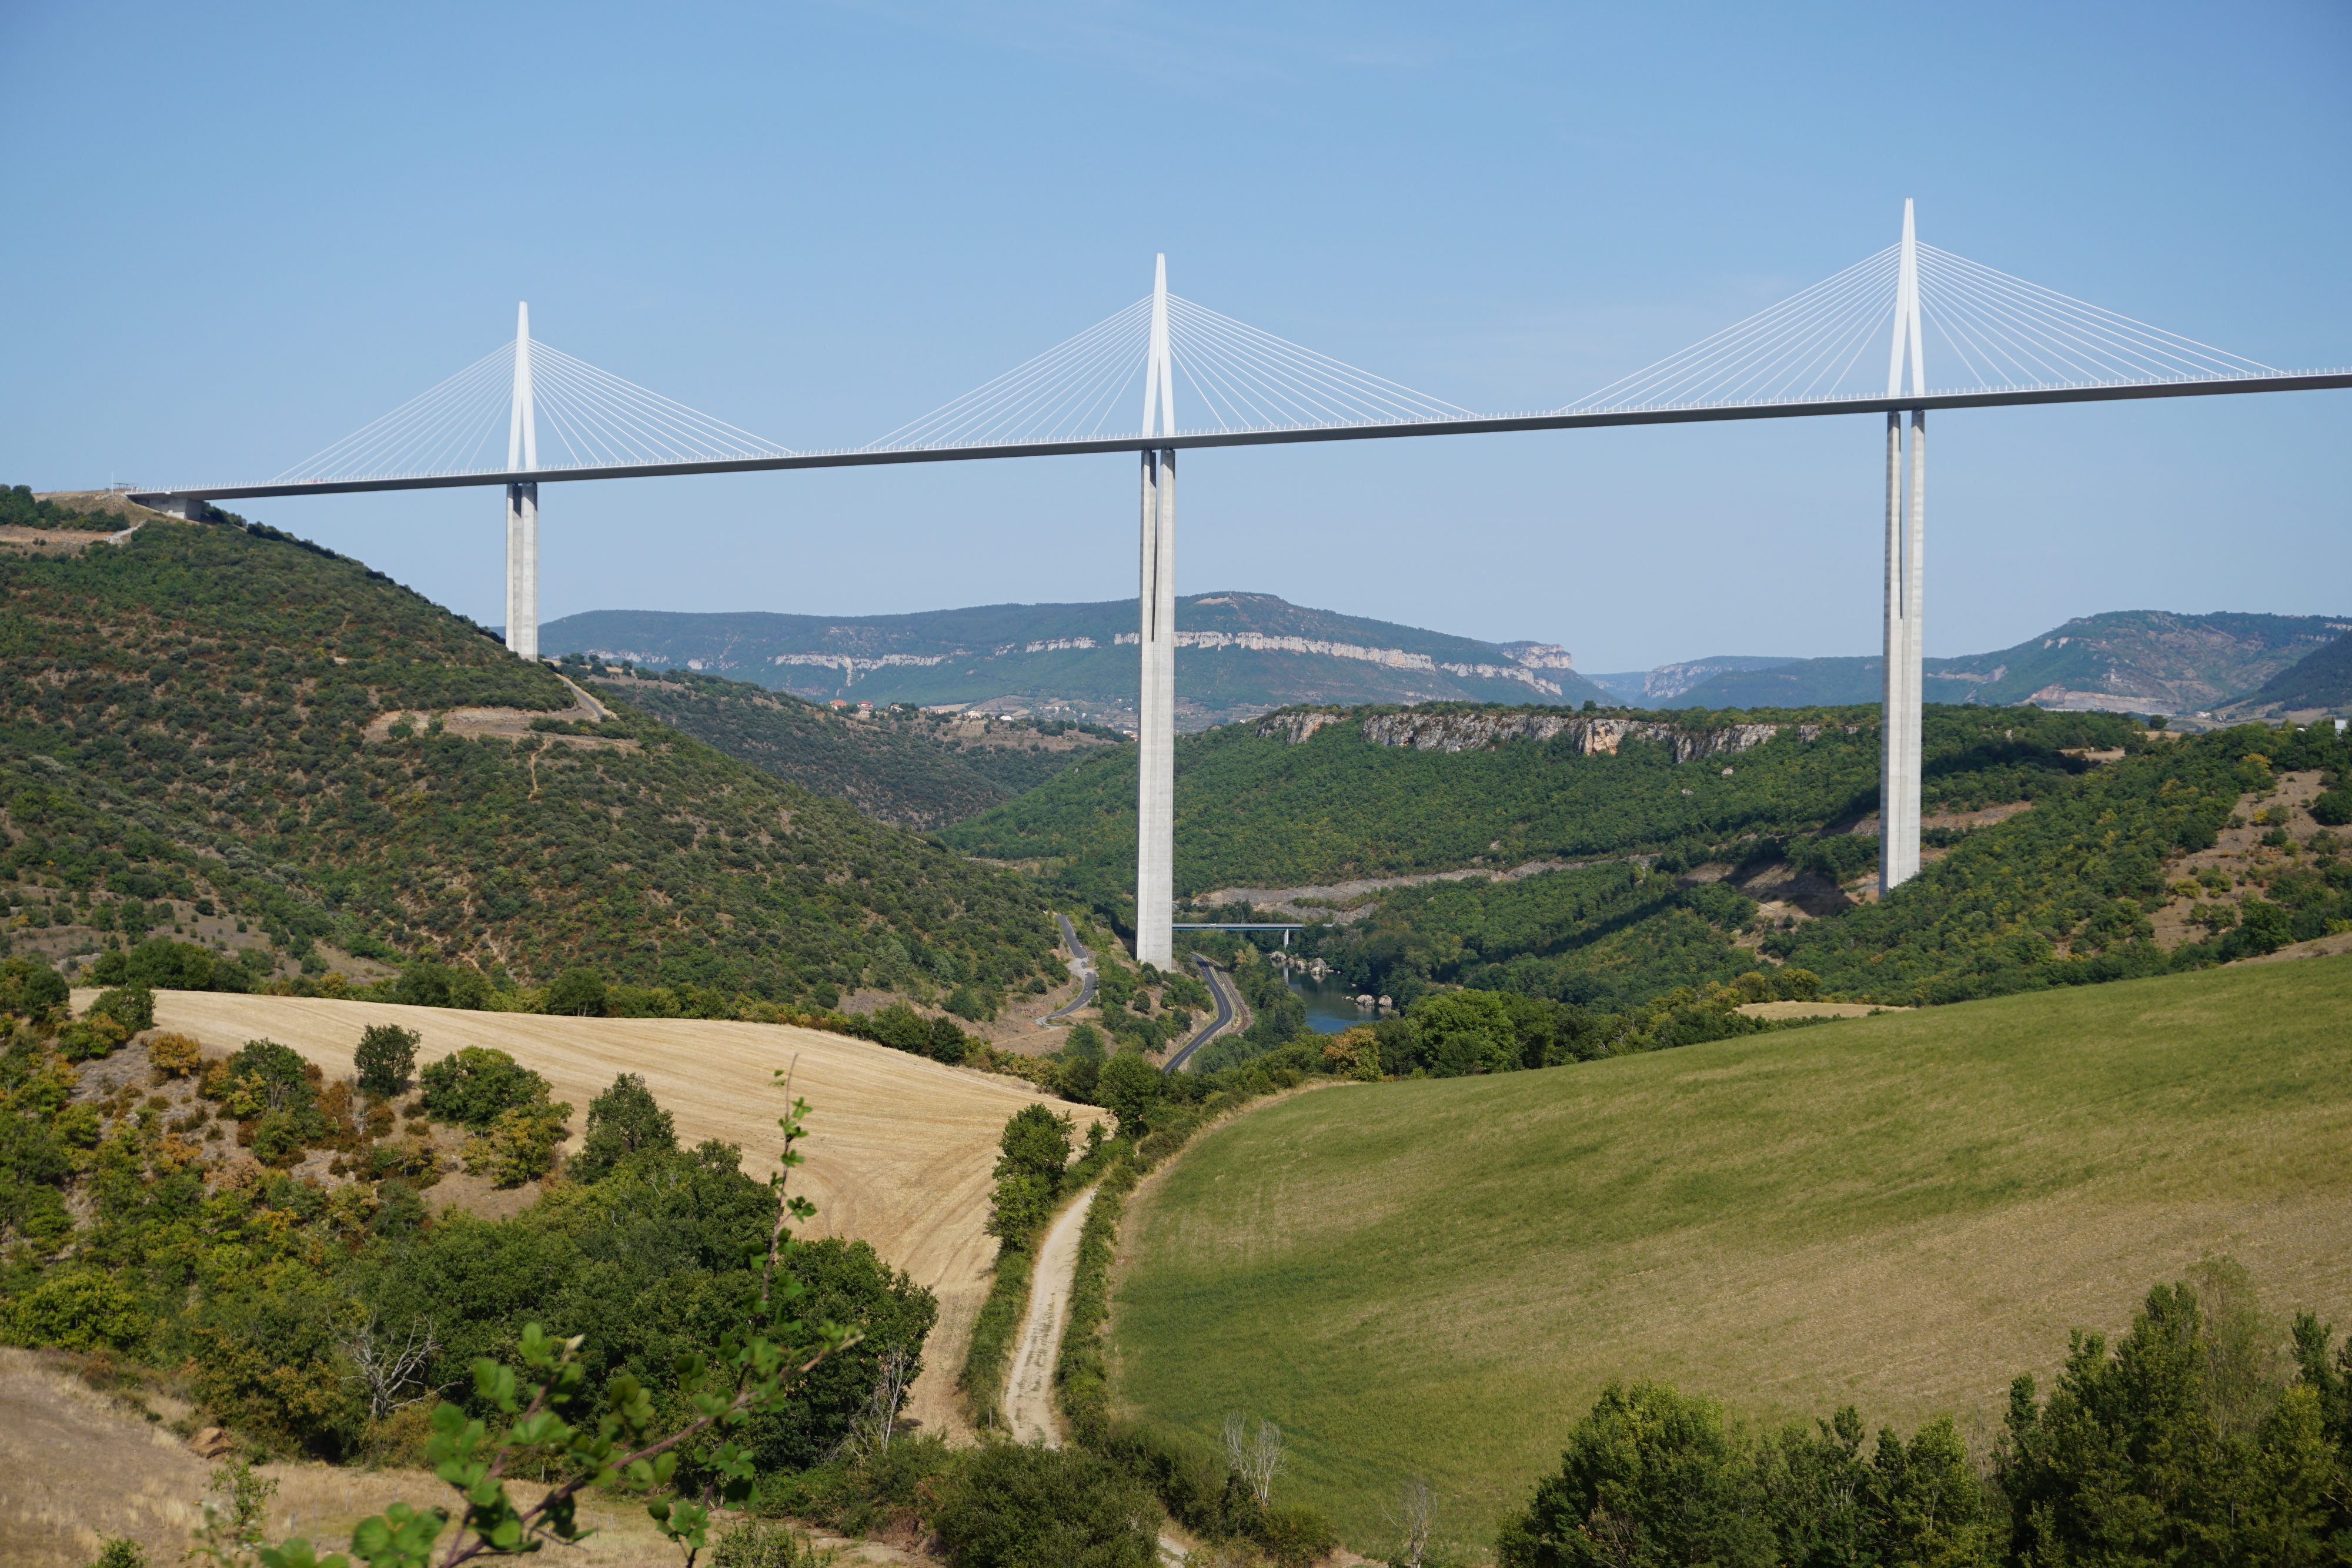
175,1055
520,1144
132,1005
81,1310
277,1138
90,1039
622,1121
1294,1537
968,1003
764,1543
2332,809
472,1087
386,1052
262,1076
119,1551
1012,1507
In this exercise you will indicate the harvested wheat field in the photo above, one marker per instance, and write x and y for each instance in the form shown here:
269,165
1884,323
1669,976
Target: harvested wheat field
899,1148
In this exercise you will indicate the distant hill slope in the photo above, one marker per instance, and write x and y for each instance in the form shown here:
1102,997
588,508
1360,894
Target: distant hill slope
2321,681
208,724
2139,661
1655,688
1318,795
919,770
1900,1213
1238,655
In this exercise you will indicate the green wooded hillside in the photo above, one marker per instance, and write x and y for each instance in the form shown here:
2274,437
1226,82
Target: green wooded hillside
901,765
185,717
1255,810
2058,895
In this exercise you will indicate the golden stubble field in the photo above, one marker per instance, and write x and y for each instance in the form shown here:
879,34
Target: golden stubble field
899,1148
1902,1213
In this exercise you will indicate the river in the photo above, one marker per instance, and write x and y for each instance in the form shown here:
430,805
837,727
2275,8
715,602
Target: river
1330,1006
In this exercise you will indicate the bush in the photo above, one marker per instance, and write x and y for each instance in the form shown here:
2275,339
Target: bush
175,1055
1294,1537
2332,809
520,1145
1012,1507
765,1543
90,1039
472,1087
262,1076
132,1005
119,1551
81,1310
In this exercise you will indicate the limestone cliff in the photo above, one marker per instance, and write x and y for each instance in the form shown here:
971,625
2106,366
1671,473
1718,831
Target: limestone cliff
1587,734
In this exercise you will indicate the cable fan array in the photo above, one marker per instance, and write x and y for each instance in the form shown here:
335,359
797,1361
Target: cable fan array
2002,333
1229,377
586,418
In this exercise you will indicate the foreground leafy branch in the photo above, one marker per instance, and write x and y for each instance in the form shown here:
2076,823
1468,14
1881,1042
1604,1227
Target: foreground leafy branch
545,1419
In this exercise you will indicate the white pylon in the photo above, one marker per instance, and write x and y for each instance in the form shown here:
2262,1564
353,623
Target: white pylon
1906,541
522,503
1155,803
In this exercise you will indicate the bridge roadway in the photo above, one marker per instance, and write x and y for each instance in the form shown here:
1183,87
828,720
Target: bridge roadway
2105,392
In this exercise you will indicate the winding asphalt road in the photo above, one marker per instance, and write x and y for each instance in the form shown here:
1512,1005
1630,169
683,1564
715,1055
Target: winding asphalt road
1082,965
1219,987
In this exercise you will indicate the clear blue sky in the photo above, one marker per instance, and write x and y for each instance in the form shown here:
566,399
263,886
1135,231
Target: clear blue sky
239,232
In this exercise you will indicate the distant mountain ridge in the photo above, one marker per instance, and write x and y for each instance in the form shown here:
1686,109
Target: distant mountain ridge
1239,654
2320,681
1644,689
2139,661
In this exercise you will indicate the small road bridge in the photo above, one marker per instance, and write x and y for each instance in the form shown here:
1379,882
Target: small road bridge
1994,340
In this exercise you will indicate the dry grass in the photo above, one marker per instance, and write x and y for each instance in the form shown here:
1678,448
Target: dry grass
899,1148
1901,1212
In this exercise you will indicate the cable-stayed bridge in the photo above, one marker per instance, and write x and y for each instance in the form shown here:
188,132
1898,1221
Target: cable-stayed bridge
1995,340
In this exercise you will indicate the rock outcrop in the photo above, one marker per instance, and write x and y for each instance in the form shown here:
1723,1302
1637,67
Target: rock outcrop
1587,734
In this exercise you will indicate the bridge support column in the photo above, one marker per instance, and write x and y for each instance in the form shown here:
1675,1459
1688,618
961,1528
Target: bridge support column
1907,581
1905,645
522,501
1155,815
522,571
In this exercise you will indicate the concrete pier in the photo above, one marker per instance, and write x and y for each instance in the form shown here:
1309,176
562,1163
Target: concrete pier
1155,814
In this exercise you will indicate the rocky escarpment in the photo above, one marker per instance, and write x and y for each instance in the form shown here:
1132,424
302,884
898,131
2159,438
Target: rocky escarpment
1587,734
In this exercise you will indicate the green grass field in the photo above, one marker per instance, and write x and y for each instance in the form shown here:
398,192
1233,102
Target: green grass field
1901,1213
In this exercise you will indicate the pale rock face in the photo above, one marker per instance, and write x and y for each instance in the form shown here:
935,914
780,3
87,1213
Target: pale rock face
1587,734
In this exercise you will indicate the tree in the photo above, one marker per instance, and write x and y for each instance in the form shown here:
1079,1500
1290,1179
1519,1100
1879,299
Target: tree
577,993
1257,1457
473,1086
622,1121
546,1417
1650,1479
1130,1088
1462,1032
386,1052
